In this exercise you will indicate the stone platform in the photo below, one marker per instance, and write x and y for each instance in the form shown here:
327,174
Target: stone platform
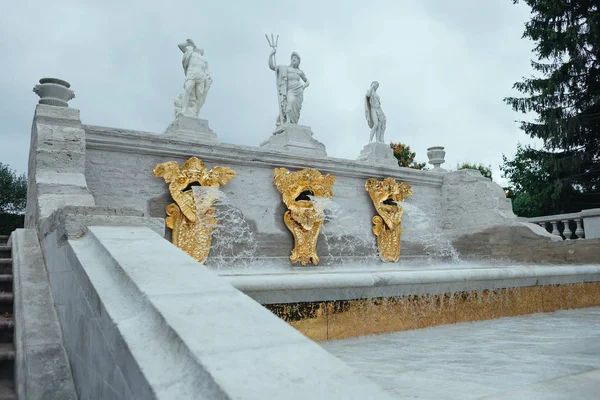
297,139
378,153
192,129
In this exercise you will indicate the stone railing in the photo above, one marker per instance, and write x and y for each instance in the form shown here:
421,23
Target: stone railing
584,224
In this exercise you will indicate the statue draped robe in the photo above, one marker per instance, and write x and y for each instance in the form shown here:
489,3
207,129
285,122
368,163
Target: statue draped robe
290,96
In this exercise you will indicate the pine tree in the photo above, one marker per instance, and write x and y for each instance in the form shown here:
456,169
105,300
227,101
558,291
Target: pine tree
566,98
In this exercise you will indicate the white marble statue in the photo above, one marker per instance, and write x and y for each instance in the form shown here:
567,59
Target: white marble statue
291,83
197,81
374,114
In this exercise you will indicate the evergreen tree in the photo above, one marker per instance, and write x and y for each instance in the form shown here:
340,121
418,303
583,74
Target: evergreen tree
563,176
13,191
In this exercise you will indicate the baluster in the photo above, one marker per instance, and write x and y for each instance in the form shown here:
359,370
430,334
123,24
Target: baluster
555,228
579,231
567,231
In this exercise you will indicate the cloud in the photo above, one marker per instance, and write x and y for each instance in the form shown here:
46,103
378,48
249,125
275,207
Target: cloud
443,68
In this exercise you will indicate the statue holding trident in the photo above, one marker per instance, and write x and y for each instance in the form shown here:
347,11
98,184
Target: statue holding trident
197,80
291,83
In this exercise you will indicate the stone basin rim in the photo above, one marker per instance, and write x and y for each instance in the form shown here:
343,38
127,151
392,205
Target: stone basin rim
271,282
55,81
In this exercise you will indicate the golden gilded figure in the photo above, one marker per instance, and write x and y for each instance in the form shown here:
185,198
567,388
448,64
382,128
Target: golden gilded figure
388,224
191,217
302,218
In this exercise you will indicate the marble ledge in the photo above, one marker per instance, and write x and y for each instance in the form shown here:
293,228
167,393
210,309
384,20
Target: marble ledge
310,287
138,142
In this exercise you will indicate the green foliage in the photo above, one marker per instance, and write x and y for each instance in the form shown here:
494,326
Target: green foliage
566,98
13,191
406,158
543,183
485,171
10,222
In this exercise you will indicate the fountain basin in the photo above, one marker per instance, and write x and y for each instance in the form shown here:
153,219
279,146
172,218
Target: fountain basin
328,305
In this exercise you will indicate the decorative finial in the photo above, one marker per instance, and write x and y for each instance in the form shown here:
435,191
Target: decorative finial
54,92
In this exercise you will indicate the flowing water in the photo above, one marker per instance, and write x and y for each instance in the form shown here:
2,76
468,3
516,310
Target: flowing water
233,241
342,236
234,245
426,232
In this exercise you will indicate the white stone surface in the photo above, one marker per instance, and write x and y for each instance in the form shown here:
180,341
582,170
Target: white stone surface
591,220
323,284
42,370
378,153
71,222
56,173
191,129
89,348
471,202
374,114
541,356
134,305
296,139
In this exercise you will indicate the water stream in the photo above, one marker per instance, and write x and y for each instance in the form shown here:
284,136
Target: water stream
342,236
425,231
233,241
234,245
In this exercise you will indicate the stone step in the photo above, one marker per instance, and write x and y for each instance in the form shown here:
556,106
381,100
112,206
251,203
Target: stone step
7,352
7,327
6,283
5,265
3,239
6,302
5,251
7,361
7,391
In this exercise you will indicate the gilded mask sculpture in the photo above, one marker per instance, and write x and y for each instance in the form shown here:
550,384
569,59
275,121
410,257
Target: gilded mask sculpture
195,190
302,218
388,224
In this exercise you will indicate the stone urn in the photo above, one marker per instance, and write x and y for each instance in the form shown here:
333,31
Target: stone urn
436,156
54,92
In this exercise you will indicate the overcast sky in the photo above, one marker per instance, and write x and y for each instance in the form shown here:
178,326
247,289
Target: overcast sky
443,67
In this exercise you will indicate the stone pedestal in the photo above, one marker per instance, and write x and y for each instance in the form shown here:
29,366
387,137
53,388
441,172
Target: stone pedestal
295,139
192,129
378,154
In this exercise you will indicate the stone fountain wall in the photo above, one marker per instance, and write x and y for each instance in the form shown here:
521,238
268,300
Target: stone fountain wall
119,167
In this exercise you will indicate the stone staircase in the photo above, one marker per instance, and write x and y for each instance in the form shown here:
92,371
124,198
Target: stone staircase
7,349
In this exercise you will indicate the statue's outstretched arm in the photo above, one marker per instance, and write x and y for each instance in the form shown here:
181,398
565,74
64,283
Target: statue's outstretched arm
272,60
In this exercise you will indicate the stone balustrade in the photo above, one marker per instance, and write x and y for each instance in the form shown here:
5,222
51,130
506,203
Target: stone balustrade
581,225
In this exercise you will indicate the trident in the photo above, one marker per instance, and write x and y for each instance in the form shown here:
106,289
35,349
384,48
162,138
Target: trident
273,41
273,44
